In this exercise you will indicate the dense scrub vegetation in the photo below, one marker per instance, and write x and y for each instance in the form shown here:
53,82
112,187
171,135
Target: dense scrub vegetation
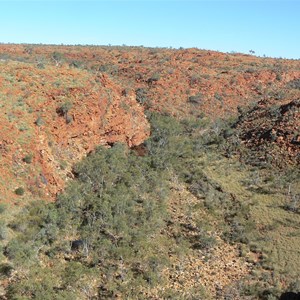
109,216
110,233
104,225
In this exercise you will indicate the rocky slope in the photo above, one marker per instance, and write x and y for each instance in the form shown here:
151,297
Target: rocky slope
58,103
107,90
271,132
51,117
178,81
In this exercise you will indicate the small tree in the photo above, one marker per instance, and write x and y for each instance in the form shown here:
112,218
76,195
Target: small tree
58,58
64,109
28,158
39,121
196,99
154,78
19,191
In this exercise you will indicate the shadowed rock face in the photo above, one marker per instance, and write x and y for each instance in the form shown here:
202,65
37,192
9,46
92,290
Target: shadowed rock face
290,296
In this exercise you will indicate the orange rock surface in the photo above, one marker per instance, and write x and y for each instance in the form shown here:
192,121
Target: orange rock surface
101,85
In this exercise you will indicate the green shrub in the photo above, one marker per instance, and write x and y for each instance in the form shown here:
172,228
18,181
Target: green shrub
75,64
57,57
293,202
294,84
20,191
28,158
63,165
154,77
5,269
204,241
40,65
294,286
3,230
20,252
64,108
40,283
2,208
141,96
39,121
196,99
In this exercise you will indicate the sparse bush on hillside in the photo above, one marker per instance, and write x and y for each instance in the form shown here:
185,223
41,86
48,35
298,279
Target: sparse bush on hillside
154,78
294,84
196,99
20,191
219,97
5,269
195,79
3,230
57,57
75,64
39,121
40,65
293,202
28,158
203,241
276,94
2,208
64,109
141,96
20,253
294,286
109,68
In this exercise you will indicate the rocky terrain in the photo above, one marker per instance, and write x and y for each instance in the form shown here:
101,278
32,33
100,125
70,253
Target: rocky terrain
271,131
176,81
52,117
229,131
107,90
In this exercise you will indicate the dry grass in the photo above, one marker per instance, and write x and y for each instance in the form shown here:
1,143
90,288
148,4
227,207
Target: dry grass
276,237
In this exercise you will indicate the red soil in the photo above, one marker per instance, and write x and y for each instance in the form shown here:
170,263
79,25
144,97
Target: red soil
36,80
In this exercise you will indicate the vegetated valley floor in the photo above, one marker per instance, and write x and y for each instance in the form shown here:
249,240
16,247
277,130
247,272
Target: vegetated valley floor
194,192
